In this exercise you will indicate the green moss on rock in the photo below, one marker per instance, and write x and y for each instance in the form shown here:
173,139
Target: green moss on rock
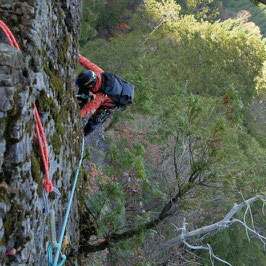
3,193
35,170
3,241
30,125
46,104
56,82
64,114
57,85
8,224
13,116
3,123
57,143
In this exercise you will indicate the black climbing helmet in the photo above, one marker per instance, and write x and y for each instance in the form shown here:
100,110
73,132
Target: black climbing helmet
86,79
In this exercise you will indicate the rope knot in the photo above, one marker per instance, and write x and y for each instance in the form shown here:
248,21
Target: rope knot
48,185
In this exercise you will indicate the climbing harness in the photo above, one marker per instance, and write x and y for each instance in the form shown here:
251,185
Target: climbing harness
102,116
48,185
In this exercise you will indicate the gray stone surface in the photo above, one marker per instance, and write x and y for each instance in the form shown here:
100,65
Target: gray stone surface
27,77
2,151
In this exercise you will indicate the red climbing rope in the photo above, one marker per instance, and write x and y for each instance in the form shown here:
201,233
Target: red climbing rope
48,185
11,39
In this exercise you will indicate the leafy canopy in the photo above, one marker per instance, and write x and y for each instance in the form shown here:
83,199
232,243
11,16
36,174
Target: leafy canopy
195,82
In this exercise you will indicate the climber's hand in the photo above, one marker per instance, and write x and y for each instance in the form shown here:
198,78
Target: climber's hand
93,96
82,99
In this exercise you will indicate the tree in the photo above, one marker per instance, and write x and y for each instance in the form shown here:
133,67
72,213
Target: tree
228,220
232,9
203,9
258,1
191,118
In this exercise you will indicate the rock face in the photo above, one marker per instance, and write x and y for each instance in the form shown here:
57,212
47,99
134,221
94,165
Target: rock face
42,72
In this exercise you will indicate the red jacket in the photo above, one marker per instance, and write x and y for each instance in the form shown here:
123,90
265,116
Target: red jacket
100,99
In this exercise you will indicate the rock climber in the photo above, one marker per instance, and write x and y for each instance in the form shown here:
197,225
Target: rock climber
100,93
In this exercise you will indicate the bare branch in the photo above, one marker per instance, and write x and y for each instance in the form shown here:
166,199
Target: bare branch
225,222
248,228
161,22
194,247
245,215
206,248
262,208
212,254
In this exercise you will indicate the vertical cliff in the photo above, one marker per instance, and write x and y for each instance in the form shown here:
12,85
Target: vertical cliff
42,72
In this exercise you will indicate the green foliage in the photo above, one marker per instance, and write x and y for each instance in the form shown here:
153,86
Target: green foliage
201,9
261,82
200,61
139,149
161,10
128,159
206,68
143,92
130,252
110,14
114,12
255,2
89,21
195,82
108,196
102,17
105,200
140,168
258,11
153,190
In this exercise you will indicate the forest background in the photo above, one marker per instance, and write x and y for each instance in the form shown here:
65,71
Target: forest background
193,142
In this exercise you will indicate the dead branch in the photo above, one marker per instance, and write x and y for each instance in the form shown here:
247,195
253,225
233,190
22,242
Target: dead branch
225,222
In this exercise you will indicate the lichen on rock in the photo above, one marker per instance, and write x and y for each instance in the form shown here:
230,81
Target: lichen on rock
43,73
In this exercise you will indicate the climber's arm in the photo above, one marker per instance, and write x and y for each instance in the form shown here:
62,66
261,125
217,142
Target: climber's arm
89,65
93,104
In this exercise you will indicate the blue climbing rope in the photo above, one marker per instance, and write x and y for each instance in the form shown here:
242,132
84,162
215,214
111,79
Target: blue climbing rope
67,212
50,256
